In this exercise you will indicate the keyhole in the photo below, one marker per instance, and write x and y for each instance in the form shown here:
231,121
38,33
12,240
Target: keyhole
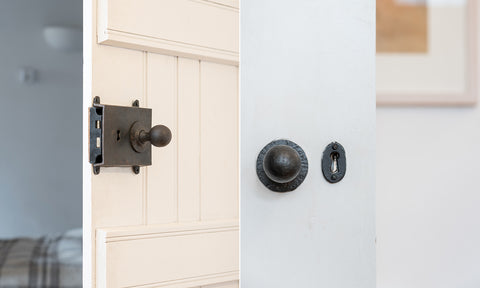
334,166
118,135
334,163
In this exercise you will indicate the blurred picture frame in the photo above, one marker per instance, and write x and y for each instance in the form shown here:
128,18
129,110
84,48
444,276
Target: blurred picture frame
427,52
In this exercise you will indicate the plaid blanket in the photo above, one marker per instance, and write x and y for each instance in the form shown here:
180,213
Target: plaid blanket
50,261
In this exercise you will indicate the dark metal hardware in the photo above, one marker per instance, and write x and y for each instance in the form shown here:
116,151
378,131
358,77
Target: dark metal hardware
159,136
282,166
136,169
334,163
120,136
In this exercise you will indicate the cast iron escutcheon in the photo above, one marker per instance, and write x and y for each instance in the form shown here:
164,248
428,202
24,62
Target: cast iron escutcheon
334,163
282,166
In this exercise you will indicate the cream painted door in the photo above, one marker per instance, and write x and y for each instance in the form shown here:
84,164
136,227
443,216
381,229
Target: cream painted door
308,75
176,223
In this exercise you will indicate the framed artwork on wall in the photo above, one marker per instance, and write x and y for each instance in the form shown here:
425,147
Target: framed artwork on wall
427,52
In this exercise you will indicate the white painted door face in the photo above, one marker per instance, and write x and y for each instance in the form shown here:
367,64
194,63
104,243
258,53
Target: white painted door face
307,75
176,223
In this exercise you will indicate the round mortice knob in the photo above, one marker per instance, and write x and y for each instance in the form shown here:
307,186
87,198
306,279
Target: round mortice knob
159,136
282,164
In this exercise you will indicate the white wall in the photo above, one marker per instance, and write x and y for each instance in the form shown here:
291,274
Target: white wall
428,197
40,147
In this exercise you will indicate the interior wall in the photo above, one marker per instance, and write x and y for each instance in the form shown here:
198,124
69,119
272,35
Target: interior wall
428,197
40,151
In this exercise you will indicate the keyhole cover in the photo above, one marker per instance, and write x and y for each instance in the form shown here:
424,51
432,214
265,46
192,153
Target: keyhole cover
282,166
334,163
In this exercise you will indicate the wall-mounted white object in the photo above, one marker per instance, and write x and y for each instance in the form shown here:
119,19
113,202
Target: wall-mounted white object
27,75
63,38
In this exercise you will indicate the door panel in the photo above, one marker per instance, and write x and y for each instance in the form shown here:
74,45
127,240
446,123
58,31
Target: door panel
309,79
233,284
174,255
202,29
176,223
117,76
189,143
219,142
161,96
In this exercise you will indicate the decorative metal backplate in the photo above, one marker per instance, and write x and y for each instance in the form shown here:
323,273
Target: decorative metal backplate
110,144
282,187
333,151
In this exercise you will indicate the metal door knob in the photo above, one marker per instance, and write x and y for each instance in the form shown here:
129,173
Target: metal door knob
282,164
159,136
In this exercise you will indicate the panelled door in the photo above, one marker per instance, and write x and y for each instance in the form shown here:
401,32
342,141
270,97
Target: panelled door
308,76
176,222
